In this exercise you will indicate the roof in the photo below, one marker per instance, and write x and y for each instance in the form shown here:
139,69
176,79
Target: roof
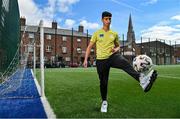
126,43
48,30
178,45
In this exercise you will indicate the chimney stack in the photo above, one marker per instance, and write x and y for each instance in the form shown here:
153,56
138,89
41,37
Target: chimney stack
81,28
22,21
54,25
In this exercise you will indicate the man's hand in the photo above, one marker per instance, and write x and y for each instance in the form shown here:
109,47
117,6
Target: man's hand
85,64
114,50
87,54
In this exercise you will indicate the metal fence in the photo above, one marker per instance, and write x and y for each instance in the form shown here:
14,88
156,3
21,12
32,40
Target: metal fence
162,52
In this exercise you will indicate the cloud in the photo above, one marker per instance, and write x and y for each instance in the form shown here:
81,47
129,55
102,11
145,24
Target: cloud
168,33
49,12
64,5
89,25
177,26
33,14
177,17
167,30
70,23
149,2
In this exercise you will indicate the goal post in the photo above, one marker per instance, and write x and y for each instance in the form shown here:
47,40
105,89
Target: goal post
42,57
34,59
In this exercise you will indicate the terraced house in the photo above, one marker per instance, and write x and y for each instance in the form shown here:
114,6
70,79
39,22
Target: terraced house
62,47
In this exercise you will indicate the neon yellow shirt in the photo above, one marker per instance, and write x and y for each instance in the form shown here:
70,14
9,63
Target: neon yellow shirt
105,42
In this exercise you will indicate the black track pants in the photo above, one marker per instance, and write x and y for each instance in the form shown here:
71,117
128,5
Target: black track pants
103,68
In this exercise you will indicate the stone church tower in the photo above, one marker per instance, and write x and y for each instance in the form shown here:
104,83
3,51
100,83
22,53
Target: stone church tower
129,47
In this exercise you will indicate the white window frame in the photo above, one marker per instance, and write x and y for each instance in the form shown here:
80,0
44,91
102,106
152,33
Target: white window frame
48,36
79,50
67,59
48,48
64,38
30,48
92,50
52,59
64,50
31,35
78,40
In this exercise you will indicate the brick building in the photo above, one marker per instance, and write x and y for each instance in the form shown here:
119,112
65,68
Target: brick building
61,46
160,52
177,53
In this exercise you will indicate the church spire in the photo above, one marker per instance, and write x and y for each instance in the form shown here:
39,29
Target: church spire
130,33
130,26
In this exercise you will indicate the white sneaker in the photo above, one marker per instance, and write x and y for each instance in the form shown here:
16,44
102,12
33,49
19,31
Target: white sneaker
145,80
104,106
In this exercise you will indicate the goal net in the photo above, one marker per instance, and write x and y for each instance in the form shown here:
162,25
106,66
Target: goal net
17,81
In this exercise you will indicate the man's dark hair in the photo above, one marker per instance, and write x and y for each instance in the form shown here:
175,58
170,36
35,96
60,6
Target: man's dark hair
106,14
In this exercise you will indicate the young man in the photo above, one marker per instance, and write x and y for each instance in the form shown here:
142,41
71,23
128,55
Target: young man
107,48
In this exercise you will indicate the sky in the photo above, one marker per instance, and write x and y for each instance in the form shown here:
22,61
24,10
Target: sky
151,18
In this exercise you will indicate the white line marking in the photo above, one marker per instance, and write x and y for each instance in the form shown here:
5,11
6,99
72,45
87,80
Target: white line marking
166,76
47,107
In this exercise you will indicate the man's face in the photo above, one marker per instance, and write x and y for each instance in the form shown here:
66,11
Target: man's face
106,21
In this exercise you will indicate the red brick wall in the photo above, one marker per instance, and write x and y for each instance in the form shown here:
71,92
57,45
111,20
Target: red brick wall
58,47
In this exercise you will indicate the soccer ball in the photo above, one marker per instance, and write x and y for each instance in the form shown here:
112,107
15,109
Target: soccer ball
142,63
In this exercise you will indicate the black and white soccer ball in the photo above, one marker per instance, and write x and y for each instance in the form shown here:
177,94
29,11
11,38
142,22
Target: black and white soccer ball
142,63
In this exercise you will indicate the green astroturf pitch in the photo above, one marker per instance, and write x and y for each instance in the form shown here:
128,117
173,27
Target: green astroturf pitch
74,92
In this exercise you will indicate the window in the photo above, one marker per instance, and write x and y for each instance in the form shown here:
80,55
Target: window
26,48
167,51
92,51
31,35
52,59
48,37
48,48
151,50
67,59
30,48
64,38
31,41
45,59
78,40
64,49
79,50
129,46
